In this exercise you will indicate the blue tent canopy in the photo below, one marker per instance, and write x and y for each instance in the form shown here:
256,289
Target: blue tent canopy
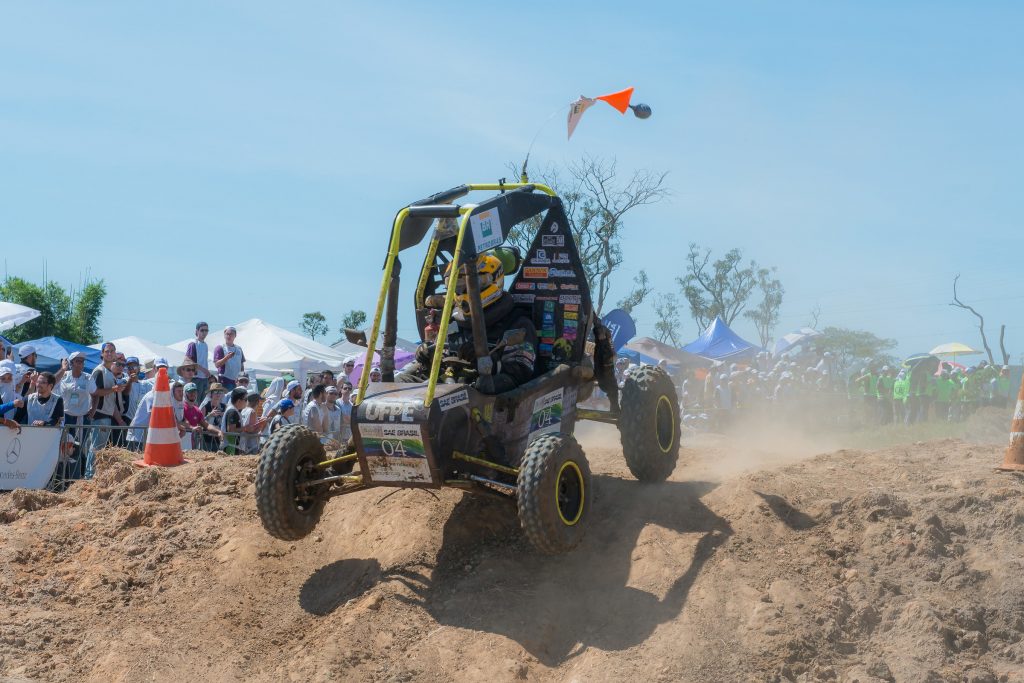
719,342
52,350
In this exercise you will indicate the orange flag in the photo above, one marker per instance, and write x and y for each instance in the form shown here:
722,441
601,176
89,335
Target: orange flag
619,100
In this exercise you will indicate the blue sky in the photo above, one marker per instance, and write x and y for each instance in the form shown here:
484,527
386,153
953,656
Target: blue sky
229,160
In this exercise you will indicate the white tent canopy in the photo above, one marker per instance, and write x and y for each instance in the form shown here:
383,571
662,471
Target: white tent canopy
271,347
12,315
145,350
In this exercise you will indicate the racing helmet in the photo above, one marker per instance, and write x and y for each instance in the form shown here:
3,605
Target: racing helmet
491,275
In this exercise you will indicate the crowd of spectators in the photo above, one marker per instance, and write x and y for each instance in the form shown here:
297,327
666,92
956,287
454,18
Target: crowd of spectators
216,405
808,387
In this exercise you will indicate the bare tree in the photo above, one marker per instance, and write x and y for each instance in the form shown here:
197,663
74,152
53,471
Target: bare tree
640,291
666,306
815,315
596,201
981,322
766,315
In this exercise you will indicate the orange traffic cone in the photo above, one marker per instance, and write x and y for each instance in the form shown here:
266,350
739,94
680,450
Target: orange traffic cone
163,445
1014,460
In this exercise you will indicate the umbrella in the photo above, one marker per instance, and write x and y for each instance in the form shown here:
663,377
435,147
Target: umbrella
954,349
921,358
12,315
788,341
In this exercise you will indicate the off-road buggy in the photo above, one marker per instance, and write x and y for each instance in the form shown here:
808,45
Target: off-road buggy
517,445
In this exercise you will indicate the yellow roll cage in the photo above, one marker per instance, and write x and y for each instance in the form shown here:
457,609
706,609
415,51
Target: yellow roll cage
465,212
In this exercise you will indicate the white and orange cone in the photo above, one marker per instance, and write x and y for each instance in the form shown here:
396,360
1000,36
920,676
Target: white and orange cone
163,445
1014,460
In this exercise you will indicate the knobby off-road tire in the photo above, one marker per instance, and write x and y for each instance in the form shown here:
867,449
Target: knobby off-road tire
649,424
289,458
554,493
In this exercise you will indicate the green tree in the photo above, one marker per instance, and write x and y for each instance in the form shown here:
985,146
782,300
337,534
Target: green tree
719,288
766,315
353,320
596,200
848,346
666,330
314,324
72,314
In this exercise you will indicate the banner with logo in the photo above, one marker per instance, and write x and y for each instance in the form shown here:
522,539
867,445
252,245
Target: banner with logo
621,326
27,460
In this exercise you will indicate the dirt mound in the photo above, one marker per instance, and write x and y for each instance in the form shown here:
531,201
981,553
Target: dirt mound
901,564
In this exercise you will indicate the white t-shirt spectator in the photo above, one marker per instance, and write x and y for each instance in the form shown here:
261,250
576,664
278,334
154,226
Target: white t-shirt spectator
77,393
313,417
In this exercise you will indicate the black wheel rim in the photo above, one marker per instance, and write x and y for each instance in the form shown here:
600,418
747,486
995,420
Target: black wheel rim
570,493
305,496
665,424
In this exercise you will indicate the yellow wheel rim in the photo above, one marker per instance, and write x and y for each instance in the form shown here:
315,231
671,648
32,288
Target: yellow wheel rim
570,492
665,424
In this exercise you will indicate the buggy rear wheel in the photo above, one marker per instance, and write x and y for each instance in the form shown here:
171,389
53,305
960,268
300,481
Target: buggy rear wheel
554,493
289,510
649,424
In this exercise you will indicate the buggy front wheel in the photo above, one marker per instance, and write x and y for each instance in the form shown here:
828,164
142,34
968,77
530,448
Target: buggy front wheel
554,493
288,509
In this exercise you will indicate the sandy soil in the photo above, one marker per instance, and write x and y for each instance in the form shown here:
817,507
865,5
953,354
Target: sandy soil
757,561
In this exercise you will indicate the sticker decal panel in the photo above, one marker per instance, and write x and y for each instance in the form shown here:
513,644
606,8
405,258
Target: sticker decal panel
547,414
395,452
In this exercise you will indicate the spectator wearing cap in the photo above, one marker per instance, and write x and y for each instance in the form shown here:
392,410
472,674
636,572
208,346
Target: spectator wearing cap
194,419
294,392
313,414
138,385
198,352
332,414
42,408
1000,387
285,415
76,388
213,410
347,368
104,404
8,391
187,372
229,359
25,377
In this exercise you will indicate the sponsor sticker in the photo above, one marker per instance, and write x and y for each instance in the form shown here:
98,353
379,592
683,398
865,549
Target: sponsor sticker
570,315
554,228
381,410
569,286
544,349
541,297
560,257
547,285
486,229
560,272
568,298
547,414
535,273
525,286
459,398
552,240
540,258
394,452
523,298
572,307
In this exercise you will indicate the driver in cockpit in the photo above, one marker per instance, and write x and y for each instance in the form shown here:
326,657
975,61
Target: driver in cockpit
515,365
